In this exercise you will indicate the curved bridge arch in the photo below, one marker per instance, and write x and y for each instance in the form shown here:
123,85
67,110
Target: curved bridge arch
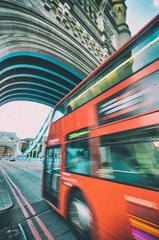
46,53
40,60
31,76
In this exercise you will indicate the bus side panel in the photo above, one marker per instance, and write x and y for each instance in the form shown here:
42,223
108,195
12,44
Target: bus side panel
83,117
109,204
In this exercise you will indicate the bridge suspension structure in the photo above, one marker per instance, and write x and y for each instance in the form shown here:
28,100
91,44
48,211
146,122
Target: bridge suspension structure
39,136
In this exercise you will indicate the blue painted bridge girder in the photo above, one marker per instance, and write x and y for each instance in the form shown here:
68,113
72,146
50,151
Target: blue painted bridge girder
35,77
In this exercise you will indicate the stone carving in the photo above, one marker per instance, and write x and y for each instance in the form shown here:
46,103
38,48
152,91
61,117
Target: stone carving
88,23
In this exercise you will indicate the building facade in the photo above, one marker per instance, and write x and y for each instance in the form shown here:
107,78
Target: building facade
24,143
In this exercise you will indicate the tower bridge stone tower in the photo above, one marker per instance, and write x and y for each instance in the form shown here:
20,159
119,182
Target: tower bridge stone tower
98,25
8,143
80,33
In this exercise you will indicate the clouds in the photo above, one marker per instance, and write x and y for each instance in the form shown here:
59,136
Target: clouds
156,3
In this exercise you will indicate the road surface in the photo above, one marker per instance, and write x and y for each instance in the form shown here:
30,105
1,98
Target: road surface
36,218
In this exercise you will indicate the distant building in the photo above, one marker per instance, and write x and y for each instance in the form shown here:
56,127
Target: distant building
24,143
8,142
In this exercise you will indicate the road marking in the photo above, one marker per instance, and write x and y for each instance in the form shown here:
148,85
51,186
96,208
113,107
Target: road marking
43,227
30,223
26,215
34,230
20,194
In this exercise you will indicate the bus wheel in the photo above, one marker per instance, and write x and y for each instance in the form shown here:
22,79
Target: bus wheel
80,216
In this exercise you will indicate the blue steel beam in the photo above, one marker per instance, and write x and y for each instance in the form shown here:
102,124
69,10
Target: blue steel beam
28,89
27,94
36,68
37,55
35,77
31,76
28,99
31,83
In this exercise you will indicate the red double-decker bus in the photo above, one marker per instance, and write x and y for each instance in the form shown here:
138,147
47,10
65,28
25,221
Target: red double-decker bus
101,168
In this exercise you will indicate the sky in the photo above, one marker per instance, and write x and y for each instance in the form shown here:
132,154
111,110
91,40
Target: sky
26,118
140,12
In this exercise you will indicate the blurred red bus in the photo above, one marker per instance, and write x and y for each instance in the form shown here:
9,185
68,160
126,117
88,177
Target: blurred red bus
101,168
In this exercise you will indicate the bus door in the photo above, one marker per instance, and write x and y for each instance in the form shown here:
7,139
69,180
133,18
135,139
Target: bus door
52,174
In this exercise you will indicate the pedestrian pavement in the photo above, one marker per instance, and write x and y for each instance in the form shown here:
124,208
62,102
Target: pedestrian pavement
5,199
12,232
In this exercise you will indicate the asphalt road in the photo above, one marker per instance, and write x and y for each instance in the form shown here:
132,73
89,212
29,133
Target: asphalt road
36,218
